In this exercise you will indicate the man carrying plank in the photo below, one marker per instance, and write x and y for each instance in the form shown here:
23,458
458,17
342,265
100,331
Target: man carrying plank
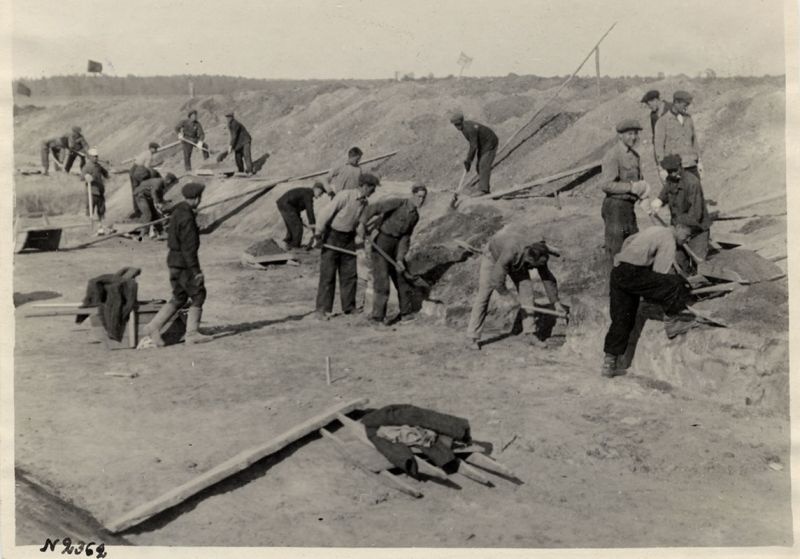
683,194
291,204
143,168
482,143
191,129
55,147
641,269
623,185
391,222
185,275
339,223
510,254
95,175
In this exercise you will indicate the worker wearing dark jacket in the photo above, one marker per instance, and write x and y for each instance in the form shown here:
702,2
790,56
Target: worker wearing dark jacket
392,221
143,168
95,175
683,193
291,204
55,147
240,141
185,275
78,147
482,143
149,197
190,129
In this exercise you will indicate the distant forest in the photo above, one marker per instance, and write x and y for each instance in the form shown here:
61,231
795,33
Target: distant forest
82,84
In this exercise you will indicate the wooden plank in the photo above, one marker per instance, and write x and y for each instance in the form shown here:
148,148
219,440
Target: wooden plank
542,310
475,475
241,461
387,478
715,288
538,182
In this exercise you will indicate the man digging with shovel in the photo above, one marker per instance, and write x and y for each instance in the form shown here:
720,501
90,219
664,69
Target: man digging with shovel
509,254
482,143
390,223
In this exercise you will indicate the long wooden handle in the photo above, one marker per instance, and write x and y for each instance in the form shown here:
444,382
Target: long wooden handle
342,250
542,310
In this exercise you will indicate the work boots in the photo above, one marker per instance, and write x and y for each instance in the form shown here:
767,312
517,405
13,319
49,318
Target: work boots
609,369
674,326
193,335
153,328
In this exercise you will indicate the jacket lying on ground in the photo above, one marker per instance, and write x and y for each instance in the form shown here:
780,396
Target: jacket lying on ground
404,414
115,297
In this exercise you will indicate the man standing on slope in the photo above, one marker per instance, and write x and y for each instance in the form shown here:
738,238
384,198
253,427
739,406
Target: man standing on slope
338,225
641,269
95,175
392,221
143,168
510,254
347,175
674,133
291,204
683,194
55,147
623,185
191,129
185,275
149,197
77,147
483,143
658,108
240,141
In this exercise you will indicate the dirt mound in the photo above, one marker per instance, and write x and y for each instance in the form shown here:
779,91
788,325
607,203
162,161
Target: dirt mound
267,247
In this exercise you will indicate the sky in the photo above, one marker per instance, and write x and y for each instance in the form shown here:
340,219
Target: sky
302,39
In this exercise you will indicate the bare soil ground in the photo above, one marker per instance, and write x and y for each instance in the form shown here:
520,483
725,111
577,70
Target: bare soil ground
660,465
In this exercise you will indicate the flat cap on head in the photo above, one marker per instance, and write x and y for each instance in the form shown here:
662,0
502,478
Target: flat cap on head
628,124
650,95
192,112
76,129
418,187
671,162
369,179
92,152
153,145
171,178
456,117
192,189
229,113
318,184
682,96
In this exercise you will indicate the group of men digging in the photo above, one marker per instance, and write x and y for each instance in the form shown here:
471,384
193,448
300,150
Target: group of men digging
640,262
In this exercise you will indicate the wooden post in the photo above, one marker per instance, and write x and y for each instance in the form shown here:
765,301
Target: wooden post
328,370
597,67
91,204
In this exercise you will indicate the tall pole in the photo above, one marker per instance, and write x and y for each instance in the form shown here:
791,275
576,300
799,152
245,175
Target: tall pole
597,68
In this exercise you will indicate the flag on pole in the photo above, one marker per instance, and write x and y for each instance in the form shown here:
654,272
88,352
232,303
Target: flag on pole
23,89
95,67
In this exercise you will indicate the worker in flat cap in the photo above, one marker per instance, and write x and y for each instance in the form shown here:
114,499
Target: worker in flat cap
143,168
675,133
683,194
190,133
149,197
95,176
239,144
77,147
389,224
623,185
658,107
642,271
185,275
338,227
482,145
294,202
57,147
347,175
514,255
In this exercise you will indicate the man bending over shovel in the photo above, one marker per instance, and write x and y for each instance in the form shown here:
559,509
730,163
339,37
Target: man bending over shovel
390,223
509,254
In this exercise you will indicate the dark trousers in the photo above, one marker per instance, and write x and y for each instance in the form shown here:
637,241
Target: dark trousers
628,284
620,222
98,205
148,211
187,152
244,159
331,262
484,168
46,151
185,287
382,272
71,159
139,173
294,225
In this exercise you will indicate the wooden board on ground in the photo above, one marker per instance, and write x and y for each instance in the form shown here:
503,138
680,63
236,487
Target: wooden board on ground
749,266
39,238
267,259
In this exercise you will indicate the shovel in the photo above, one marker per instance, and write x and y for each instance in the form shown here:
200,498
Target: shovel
416,280
454,201
198,146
